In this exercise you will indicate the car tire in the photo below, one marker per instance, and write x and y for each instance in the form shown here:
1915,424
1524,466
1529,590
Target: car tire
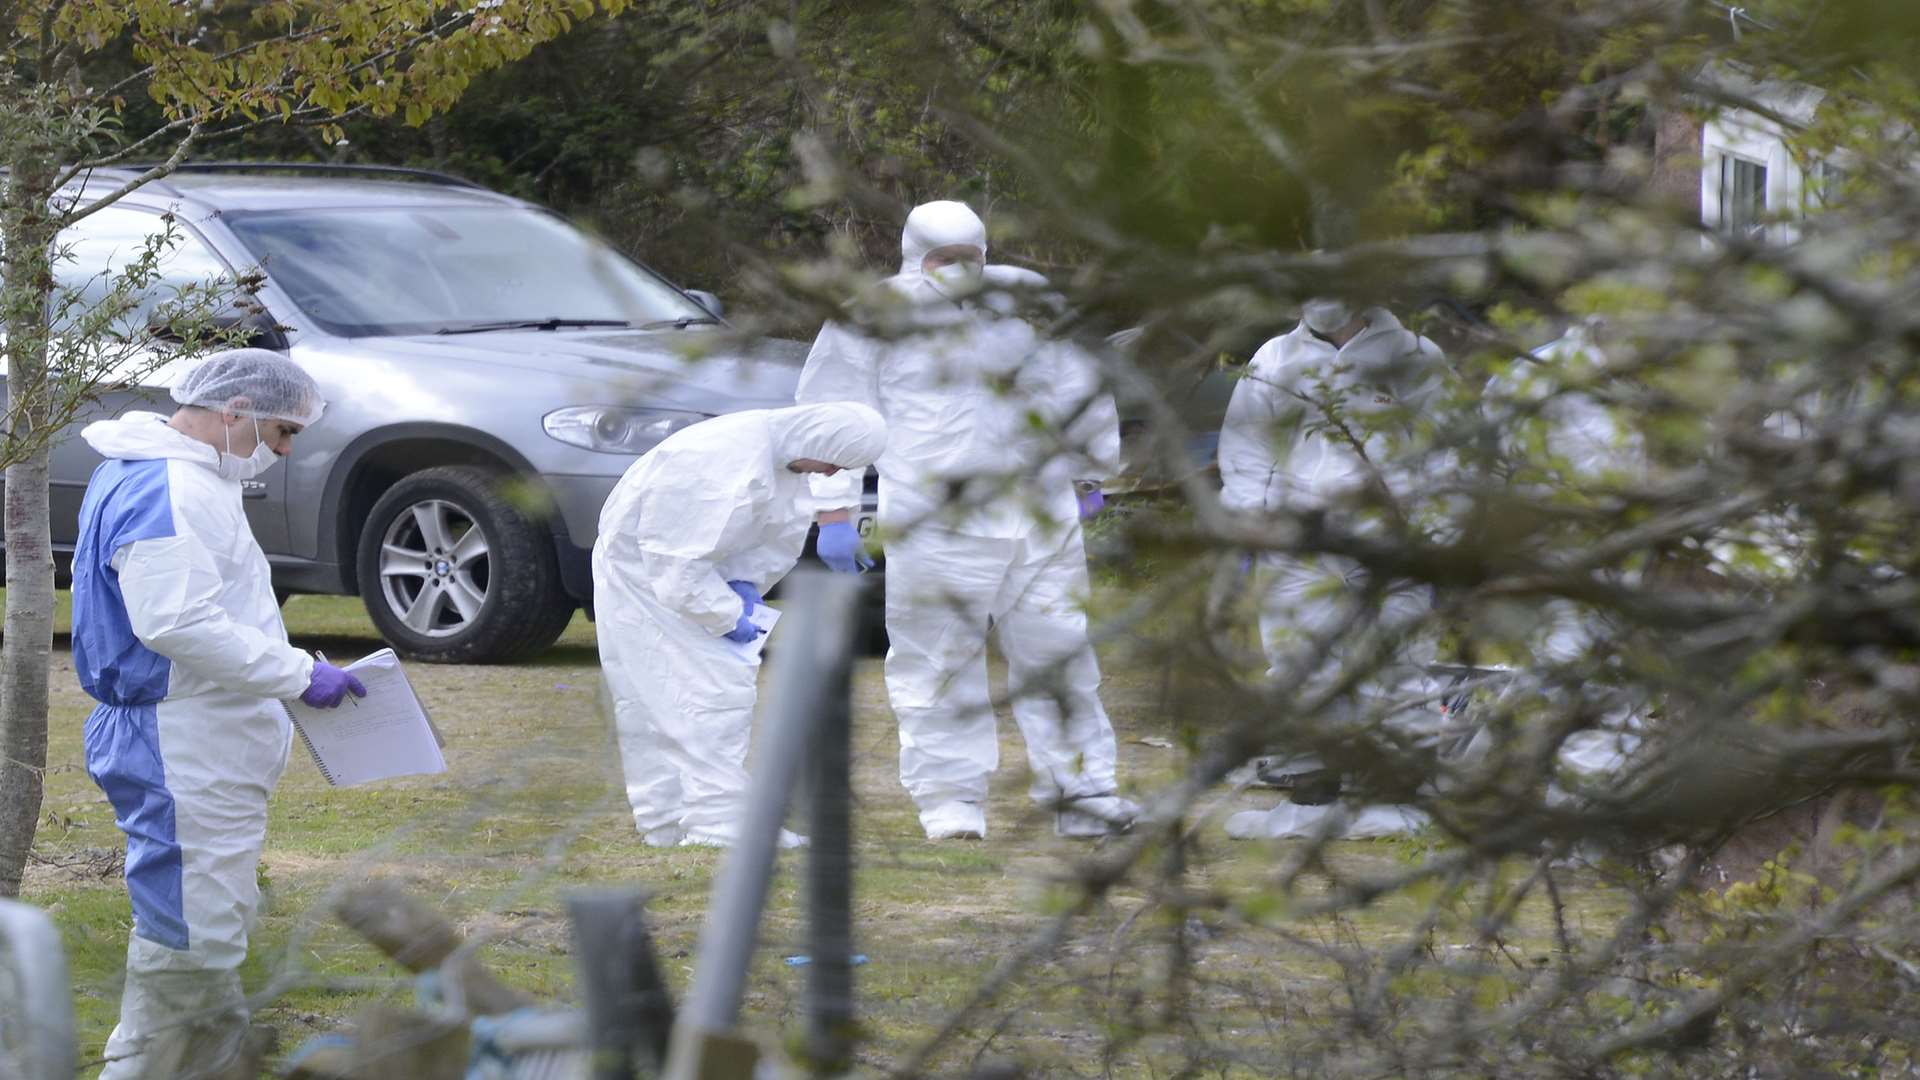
481,601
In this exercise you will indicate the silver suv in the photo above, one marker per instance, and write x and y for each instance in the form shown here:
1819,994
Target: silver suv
490,369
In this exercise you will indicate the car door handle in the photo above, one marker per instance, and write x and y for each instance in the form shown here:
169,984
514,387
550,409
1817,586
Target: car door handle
253,489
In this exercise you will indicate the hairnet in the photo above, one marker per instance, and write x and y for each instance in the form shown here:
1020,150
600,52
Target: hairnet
1324,315
273,387
936,225
842,433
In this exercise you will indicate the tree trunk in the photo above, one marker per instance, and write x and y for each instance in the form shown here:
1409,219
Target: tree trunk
26,282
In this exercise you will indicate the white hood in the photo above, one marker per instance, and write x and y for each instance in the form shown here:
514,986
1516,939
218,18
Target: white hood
937,225
843,433
145,436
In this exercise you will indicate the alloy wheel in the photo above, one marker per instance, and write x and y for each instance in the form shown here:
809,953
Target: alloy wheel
434,568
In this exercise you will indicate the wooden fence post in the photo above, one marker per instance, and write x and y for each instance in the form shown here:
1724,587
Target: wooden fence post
629,1009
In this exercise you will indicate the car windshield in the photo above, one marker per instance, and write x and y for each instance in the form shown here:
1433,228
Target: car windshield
418,270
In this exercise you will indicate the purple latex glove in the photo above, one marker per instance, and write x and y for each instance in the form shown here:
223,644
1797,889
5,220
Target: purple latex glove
748,595
1091,502
743,631
330,686
839,547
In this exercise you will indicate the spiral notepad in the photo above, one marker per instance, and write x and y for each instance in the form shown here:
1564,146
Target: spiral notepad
383,735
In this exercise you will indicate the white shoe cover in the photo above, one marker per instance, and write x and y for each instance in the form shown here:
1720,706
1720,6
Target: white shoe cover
1094,816
1292,821
955,821
698,838
664,836
177,1024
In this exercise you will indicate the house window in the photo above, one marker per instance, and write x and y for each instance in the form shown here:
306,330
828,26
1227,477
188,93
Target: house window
1832,180
1743,196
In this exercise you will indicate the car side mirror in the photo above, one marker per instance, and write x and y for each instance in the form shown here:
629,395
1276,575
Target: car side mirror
262,332
709,301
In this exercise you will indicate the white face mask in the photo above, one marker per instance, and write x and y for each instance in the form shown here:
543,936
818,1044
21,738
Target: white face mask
957,279
1325,317
235,467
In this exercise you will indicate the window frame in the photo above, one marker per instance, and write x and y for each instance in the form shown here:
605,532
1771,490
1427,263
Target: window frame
1729,223
186,228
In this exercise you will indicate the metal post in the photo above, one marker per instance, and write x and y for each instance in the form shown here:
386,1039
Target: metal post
36,1005
629,1009
830,869
816,637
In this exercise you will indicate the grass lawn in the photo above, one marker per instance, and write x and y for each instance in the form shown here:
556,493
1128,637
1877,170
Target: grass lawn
531,808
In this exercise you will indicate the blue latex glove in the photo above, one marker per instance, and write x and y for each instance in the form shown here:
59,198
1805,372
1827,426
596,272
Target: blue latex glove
1091,503
330,686
840,548
743,630
748,595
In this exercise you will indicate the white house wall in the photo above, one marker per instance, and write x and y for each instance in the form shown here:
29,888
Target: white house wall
1746,135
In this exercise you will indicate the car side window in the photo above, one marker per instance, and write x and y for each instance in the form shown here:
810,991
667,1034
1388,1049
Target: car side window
93,258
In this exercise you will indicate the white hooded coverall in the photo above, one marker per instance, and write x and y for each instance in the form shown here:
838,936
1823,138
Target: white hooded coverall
1309,428
177,633
1582,445
982,523
711,504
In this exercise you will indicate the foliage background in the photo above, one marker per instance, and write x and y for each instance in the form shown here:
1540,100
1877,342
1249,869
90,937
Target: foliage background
1208,164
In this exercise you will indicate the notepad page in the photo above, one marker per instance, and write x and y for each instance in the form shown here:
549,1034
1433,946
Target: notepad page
382,735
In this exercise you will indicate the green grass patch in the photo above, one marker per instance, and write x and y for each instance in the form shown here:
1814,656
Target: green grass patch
532,807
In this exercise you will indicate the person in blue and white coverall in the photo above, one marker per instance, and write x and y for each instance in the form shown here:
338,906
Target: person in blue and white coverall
176,632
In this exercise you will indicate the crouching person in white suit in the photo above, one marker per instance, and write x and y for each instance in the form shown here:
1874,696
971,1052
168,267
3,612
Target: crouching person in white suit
695,533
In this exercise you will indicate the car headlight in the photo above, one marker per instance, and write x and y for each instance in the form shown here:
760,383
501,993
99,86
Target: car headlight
611,429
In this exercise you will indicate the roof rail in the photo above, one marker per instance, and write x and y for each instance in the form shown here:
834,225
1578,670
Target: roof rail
108,172
394,171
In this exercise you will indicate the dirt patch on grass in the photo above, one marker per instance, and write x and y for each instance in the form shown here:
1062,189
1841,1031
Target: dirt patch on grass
55,869
547,931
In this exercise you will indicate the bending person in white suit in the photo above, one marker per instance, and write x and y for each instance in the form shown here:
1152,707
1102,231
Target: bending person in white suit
692,538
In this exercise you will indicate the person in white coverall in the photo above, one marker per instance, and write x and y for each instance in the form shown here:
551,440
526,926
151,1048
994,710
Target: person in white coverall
695,533
1322,414
982,521
176,632
1582,446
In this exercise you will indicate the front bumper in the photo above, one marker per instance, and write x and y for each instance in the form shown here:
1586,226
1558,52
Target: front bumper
577,502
